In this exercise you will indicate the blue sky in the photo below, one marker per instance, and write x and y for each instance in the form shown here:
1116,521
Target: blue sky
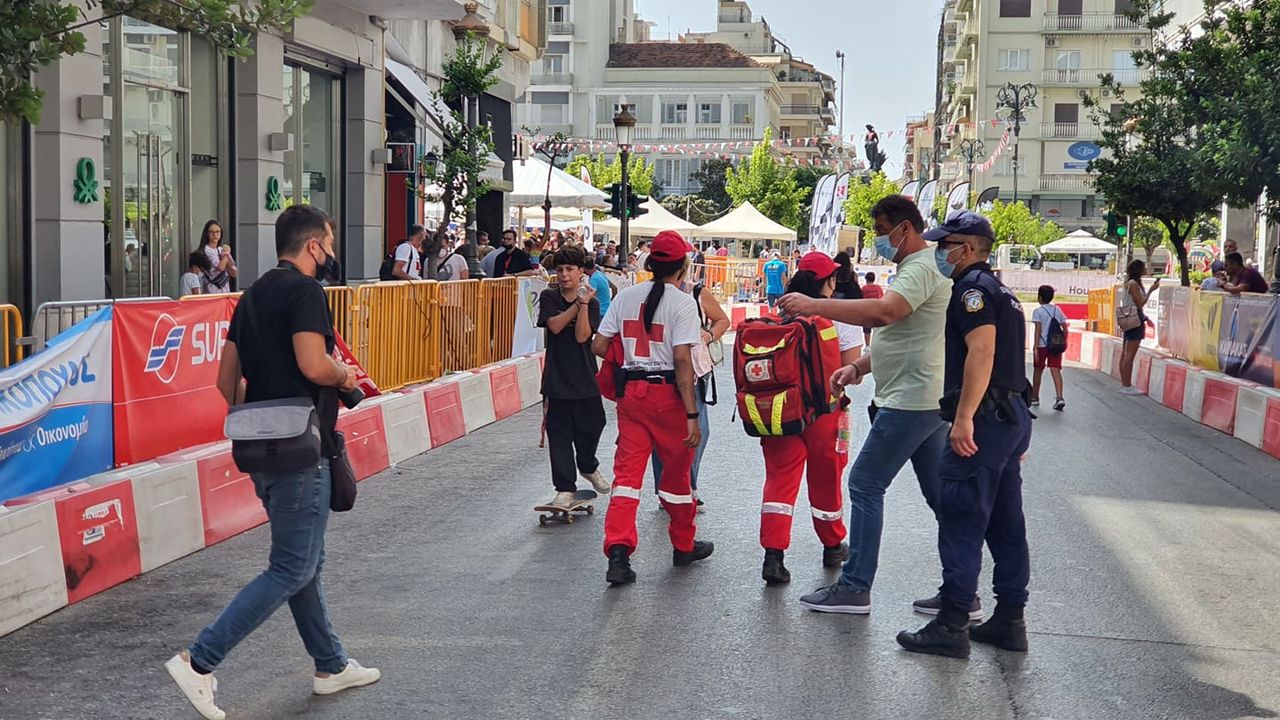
891,48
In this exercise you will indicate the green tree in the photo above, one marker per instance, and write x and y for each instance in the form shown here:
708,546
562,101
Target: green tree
35,34
694,208
864,196
607,171
763,181
1148,234
1015,224
712,177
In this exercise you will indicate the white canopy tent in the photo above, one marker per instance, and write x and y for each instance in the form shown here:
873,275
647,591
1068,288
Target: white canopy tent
567,191
746,223
1079,242
651,223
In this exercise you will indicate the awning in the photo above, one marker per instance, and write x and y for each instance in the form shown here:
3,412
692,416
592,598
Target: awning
411,82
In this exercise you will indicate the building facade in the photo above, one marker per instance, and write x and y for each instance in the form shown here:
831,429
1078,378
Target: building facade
1060,46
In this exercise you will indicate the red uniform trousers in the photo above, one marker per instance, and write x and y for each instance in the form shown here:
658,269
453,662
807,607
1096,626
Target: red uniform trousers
784,461
651,417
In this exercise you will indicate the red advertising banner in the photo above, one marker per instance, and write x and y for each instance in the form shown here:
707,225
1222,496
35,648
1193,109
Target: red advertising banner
165,376
343,354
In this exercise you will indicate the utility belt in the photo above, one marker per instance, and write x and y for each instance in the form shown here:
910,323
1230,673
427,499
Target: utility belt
996,401
653,377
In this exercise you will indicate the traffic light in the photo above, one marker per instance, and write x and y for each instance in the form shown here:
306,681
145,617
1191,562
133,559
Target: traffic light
1116,227
616,202
635,205
1121,228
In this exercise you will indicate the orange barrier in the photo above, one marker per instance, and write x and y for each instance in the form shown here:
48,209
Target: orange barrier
1102,310
499,298
10,333
464,327
340,306
396,329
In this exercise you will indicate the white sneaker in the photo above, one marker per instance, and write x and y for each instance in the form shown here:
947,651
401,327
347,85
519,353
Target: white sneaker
352,676
1130,390
197,688
564,499
602,484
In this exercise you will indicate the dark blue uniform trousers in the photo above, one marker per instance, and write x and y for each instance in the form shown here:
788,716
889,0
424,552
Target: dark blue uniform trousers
981,499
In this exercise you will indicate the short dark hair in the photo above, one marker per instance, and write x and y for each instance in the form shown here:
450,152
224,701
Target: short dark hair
199,260
1235,258
298,224
570,255
871,277
416,229
898,209
510,231
482,234
590,263
1045,294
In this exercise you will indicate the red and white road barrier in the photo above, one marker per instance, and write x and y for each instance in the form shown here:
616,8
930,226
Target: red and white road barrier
65,544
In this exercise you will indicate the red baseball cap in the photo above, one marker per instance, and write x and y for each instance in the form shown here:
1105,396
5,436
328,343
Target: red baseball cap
819,264
668,246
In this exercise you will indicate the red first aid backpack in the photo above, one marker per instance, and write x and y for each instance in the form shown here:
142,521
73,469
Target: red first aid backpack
783,370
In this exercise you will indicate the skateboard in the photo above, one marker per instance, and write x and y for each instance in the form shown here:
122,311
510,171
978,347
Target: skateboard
581,504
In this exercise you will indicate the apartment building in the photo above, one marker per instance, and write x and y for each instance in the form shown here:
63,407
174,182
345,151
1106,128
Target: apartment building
1060,46
917,163
724,86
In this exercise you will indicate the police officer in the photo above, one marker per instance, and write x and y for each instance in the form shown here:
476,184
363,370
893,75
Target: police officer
981,495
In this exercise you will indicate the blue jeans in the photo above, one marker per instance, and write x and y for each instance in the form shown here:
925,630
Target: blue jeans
297,506
704,425
895,437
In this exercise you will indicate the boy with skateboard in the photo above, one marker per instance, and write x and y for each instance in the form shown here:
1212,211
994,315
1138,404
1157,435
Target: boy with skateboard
574,411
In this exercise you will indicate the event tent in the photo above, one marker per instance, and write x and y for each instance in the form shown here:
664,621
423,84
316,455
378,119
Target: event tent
1079,242
746,223
567,191
651,223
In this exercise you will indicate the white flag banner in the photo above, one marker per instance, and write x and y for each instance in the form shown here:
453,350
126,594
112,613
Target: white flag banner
912,189
927,195
822,195
829,236
959,198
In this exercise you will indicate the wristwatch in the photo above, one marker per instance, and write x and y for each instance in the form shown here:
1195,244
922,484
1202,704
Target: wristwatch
691,416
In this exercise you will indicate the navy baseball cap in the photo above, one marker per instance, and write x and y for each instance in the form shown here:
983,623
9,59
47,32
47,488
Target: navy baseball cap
961,222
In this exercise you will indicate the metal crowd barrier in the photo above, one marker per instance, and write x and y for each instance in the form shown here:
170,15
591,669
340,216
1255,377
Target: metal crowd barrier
52,318
499,298
340,306
464,327
1102,310
396,332
11,335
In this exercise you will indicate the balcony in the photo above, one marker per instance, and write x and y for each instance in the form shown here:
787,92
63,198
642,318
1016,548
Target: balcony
608,132
806,110
560,28
552,79
1066,183
1088,77
1076,131
1097,22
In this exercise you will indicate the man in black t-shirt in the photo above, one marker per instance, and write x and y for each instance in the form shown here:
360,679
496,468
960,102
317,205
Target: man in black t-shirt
513,260
281,343
575,412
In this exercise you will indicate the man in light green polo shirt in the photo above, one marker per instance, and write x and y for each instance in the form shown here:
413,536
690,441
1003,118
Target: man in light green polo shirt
907,360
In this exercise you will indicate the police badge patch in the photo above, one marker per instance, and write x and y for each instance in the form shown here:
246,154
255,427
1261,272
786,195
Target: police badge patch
973,301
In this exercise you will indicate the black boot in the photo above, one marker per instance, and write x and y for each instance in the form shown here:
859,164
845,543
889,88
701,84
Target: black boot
1007,629
834,556
946,635
774,572
620,572
701,549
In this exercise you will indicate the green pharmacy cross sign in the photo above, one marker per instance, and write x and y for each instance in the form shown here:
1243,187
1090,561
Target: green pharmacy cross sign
275,200
86,183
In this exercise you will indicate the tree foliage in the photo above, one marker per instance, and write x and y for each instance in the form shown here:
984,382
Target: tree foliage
606,171
764,182
864,196
1148,234
35,34
712,177
1015,224
694,208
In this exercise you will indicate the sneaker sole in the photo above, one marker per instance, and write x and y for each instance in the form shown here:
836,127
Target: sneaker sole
974,615
348,686
941,652
215,714
838,609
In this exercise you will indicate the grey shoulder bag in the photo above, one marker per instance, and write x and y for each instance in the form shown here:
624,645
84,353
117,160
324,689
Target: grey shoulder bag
274,436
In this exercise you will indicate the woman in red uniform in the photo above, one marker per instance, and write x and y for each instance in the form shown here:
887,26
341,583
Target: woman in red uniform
657,326
785,457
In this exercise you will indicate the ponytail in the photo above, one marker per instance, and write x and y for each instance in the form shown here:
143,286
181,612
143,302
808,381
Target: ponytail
806,282
662,270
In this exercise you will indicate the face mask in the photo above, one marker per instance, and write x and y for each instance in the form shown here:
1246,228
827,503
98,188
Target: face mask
945,266
885,247
330,269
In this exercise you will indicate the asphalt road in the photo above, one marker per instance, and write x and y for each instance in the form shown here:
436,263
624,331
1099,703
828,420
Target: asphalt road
1154,543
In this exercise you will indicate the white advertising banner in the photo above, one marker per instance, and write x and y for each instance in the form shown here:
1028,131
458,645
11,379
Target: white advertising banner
527,336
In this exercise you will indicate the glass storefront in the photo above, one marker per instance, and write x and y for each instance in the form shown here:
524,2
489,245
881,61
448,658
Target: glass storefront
312,112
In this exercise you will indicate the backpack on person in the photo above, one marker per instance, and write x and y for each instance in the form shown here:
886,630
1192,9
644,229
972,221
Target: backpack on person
1056,339
387,270
444,272
781,369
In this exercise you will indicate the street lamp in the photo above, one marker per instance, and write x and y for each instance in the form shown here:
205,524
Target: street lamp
971,149
840,57
624,124
471,24
1016,98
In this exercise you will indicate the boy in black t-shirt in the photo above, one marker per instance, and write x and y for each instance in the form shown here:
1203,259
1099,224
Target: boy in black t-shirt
575,412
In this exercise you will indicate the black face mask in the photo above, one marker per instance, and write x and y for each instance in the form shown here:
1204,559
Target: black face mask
330,269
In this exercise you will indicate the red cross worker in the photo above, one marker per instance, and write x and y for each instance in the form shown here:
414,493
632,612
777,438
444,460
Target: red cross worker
819,450
656,326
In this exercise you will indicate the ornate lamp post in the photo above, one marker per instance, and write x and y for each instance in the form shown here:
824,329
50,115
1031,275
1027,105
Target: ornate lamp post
624,124
970,149
470,24
1016,98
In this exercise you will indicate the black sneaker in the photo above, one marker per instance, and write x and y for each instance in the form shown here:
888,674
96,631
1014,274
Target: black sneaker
937,638
838,599
1006,630
1059,404
931,606
702,549
774,572
620,572
834,556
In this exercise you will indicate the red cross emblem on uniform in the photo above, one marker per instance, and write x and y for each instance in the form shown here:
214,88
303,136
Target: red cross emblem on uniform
757,371
634,330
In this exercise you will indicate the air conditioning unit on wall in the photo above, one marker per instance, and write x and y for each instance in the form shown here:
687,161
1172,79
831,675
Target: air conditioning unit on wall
1084,94
1139,41
1051,41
